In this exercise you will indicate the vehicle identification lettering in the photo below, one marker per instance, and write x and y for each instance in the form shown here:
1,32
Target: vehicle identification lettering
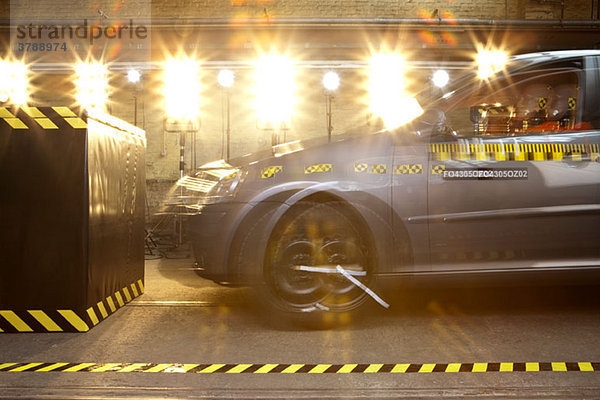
451,174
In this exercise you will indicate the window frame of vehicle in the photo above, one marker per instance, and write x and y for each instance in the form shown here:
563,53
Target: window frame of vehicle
515,201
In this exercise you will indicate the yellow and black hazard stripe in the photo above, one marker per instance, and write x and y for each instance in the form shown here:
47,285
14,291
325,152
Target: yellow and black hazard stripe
269,172
437,169
65,320
43,321
304,368
515,152
41,116
11,119
380,169
70,117
314,168
105,307
361,167
404,169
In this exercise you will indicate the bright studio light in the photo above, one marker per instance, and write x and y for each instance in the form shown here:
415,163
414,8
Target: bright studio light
182,89
490,61
134,76
387,97
331,81
92,84
274,89
226,78
15,82
440,78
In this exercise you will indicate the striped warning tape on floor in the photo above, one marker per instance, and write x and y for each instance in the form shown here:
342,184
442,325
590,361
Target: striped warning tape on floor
68,320
304,368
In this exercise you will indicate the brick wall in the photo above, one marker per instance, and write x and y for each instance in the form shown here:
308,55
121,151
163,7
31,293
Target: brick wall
349,105
492,9
77,9
5,9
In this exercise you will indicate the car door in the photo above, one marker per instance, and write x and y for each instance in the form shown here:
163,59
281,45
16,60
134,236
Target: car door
514,183
409,200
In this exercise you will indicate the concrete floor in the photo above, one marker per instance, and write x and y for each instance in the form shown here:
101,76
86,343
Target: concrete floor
185,319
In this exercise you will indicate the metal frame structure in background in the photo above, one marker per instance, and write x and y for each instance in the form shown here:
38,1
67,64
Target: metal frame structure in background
175,206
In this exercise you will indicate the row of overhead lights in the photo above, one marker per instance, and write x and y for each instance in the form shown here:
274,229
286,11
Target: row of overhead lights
274,90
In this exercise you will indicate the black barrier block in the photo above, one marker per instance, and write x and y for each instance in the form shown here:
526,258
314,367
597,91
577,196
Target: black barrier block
72,197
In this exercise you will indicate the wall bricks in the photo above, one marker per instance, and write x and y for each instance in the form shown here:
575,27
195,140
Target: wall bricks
349,107
489,9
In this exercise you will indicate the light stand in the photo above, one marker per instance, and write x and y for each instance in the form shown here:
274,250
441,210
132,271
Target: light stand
329,100
225,124
134,76
228,128
226,78
331,82
191,127
278,133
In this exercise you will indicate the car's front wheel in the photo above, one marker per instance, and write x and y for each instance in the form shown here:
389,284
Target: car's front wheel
312,252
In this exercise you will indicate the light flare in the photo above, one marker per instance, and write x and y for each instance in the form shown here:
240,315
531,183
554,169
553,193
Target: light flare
490,62
182,88
449,38
134,75
275,90
196,184
440,78
428,37
388,99
91,81
331,81
226,78
14,85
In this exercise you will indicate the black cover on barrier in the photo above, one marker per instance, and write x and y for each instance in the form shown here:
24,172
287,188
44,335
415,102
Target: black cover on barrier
116,169
72,195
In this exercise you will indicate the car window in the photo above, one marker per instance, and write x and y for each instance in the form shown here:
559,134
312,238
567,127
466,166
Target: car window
543,101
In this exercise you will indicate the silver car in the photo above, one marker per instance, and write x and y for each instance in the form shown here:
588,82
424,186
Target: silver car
497,175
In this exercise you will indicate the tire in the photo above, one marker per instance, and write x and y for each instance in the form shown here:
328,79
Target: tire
318,234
